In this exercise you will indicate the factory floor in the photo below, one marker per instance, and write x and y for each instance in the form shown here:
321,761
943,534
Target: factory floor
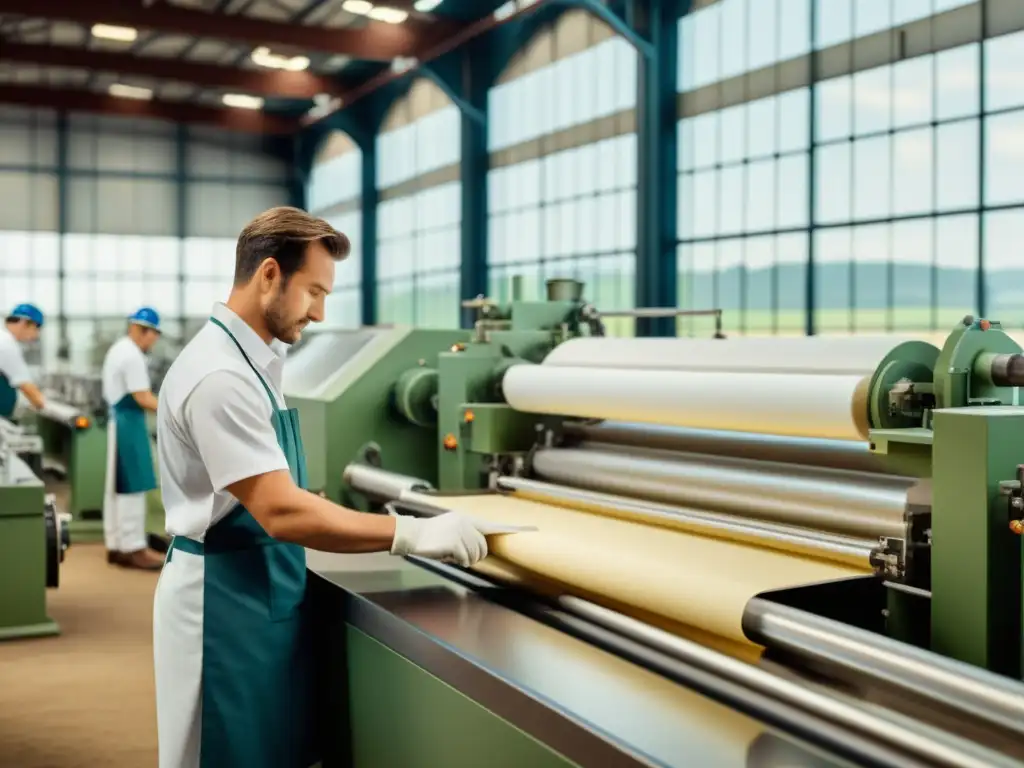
84,699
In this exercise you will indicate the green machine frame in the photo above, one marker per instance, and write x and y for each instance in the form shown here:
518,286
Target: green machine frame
969,440
23,555
81,448
948,416
360,401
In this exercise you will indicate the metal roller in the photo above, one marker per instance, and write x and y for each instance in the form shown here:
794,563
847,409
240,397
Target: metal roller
380,484
842,549
847,503
844,651
794,404
806,355
829,454
882,736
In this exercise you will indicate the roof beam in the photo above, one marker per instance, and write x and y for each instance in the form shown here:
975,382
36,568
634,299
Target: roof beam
376,41
243,120
295,85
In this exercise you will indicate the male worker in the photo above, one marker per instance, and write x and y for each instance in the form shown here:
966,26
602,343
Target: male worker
22,327
130,474
230,633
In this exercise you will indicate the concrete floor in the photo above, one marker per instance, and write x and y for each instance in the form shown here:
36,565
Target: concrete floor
84,699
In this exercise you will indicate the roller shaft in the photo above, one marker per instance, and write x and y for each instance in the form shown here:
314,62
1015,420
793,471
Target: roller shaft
794,404
854,355
841,502
944,682
829,454
379,483
842,549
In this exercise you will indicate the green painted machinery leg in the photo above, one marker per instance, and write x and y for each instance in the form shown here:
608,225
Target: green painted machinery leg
87,470
976,559
23,564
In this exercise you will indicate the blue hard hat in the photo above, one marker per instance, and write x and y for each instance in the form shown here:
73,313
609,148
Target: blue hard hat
29,312
147,317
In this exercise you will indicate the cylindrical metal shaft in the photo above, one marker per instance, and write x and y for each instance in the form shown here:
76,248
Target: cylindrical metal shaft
1006,370
813,452
808,712
842,549
923,742
380,484
975,692
853,504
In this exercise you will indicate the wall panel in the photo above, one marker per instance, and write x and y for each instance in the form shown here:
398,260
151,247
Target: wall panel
125,239
562,184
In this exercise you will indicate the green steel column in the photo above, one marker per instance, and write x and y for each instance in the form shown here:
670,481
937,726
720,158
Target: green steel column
368,210
181,220
980,283
298,175
64,344
657,148
810,299
473,166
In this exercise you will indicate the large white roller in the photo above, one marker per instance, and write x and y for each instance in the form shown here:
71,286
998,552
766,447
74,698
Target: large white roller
852,356
772,403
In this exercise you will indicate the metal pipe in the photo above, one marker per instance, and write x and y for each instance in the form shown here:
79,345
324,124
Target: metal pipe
865,736
843,549
929,744
830,454
1002,370
380,484
846,503
970,690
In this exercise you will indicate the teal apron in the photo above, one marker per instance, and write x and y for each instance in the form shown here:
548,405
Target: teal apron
134,460
8,397
257,677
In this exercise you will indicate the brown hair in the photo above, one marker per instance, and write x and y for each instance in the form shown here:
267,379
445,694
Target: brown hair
283,234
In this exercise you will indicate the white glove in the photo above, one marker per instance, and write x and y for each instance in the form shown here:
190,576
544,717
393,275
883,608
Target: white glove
450,538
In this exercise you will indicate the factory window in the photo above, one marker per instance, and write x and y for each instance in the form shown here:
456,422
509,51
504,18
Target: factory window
334,192
562,184
871,177
419,213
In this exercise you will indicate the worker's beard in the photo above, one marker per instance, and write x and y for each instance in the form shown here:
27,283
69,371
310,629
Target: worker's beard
280,325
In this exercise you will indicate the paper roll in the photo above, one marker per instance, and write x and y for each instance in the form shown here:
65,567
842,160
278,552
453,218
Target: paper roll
699,582
772,403
850,356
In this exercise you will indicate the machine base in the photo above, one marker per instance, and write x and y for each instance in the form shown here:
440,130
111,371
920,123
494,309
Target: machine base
49,628
416,672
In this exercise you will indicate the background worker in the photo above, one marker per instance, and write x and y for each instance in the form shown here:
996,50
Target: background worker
230,633
21,327
130,473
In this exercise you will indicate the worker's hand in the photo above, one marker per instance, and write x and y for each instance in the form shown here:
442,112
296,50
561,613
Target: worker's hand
451,537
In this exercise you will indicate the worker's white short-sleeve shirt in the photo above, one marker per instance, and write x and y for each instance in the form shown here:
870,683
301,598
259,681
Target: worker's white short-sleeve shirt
125,371
12,360
214,423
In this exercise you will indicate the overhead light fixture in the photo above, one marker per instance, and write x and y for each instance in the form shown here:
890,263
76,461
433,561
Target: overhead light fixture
242,101
425,6
358,7
388,15
263,57
376,12
110,32
123,91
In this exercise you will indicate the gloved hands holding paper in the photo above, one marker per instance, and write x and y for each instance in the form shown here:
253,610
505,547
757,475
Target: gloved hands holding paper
452,537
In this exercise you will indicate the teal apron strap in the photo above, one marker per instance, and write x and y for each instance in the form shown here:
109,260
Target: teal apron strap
266,387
